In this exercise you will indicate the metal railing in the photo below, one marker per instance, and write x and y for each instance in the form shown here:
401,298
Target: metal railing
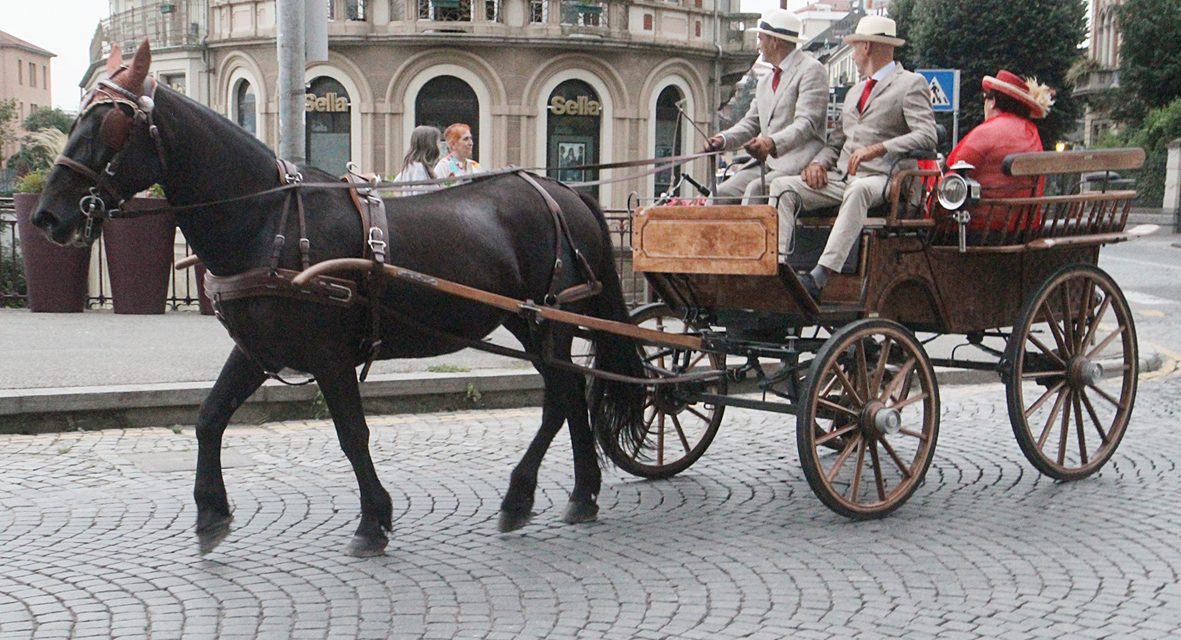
12,274
170,23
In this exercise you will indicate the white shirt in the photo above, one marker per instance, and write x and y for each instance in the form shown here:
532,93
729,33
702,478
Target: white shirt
414,173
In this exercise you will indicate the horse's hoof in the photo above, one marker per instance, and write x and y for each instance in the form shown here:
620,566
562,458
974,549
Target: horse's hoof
210,534
513,520
367,546
577,512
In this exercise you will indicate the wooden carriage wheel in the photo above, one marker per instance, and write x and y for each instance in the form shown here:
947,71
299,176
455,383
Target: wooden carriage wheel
1072,370
678,429
868,419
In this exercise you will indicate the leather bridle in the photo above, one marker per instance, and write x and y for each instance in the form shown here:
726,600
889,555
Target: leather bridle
114,131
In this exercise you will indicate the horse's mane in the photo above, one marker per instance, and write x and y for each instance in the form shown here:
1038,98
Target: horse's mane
222,127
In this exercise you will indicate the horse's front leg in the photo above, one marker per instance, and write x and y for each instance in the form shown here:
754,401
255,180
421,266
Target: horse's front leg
239,378
343,397
588,478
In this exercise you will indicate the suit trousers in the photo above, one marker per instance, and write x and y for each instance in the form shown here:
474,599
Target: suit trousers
745,187
855,197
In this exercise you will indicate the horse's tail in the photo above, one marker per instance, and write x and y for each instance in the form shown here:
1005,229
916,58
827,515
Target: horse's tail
616,408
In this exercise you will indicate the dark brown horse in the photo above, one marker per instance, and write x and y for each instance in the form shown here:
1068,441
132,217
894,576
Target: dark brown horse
496,235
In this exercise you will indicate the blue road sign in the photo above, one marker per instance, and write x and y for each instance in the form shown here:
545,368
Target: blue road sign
945,88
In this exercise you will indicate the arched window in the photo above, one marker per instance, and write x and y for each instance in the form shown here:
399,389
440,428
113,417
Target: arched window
244,107
573,125
446,100
668,135
327,125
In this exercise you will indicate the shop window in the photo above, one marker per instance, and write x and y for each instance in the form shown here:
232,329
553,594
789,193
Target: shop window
446,100
445,10
244,107
327,125
573,125
668,136
538,11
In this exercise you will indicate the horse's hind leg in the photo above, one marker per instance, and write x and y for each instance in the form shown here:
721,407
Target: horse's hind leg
239,378
563,401
343,397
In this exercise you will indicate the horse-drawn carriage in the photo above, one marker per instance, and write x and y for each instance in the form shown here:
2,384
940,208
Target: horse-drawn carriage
438,272
1027,299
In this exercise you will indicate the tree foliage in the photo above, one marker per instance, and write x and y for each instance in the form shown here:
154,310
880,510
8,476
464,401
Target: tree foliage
1037,38
45,118
1150,56
8,116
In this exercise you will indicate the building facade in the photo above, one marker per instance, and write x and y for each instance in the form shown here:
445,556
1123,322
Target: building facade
25,78
1101,71
542,83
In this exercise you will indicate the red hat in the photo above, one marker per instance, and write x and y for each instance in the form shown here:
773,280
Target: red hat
1038,97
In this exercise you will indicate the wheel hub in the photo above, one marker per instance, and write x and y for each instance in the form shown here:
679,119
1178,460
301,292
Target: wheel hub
878,419
1085,372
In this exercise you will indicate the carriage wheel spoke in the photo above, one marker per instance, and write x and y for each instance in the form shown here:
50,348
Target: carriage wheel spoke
1106,341
879,370
697,413
1084,312
1045,396
1064,432
836,433
1067,319
1046,350
906,471
1078,428
836,407
1098,318
1107,397
1041,441
879,480
862,371
681,434
902,404
1094,415
1026,375
913,434
855,486
900,381
1055,330
848,384
853,444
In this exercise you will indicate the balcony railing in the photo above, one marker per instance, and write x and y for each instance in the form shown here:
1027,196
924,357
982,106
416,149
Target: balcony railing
1097,80
583,13
456,10
172,23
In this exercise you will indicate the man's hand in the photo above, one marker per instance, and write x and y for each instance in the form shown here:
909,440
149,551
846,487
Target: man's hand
760,148
865,153
715,143
815,176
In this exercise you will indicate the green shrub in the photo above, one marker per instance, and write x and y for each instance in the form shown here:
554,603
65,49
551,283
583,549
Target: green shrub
1159,128
31,182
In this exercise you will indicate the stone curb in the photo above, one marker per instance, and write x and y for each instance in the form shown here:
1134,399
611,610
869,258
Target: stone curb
126,406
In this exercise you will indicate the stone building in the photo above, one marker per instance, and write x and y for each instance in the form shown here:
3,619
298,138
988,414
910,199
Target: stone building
25,77
539,81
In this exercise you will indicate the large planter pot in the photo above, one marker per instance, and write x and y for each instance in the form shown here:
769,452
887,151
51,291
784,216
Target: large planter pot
139,257
56,276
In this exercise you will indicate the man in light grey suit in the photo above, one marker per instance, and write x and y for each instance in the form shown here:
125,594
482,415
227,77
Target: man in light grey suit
885,115
785,122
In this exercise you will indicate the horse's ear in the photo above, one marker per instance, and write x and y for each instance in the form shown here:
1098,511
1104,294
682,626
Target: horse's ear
115,60
139,67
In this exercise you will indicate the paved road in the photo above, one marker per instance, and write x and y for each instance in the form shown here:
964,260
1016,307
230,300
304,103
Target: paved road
96,539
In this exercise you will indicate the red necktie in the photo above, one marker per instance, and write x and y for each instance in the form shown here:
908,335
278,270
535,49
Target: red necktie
865,94
775,79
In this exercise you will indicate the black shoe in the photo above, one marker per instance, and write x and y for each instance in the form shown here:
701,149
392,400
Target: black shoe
810,286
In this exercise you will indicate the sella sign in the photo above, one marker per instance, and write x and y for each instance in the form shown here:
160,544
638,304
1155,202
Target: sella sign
327,103
580,106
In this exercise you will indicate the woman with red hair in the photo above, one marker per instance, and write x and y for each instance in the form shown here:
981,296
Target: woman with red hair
458,161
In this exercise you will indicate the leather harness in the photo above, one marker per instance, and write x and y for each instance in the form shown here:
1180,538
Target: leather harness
345,293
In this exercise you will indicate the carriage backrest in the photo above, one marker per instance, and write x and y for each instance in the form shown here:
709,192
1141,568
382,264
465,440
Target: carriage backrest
1085,160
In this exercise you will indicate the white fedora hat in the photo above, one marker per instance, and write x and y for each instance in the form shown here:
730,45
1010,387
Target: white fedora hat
780,23
876,29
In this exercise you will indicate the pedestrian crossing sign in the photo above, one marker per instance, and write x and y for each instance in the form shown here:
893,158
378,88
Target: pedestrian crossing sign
945,88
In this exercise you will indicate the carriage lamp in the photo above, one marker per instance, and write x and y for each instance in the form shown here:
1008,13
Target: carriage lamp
957,192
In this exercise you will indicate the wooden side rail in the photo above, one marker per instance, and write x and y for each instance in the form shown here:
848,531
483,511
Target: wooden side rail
1082,161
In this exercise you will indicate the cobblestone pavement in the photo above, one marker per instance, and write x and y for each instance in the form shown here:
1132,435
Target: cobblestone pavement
96,538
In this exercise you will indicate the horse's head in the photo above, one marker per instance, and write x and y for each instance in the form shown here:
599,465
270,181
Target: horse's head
113,152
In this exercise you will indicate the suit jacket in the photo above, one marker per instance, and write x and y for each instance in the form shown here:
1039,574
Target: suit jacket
897,114
793,116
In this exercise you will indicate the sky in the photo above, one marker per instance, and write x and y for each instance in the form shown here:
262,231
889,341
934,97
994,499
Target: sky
66,26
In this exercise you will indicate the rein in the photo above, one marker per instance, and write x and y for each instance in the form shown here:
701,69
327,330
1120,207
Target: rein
659,164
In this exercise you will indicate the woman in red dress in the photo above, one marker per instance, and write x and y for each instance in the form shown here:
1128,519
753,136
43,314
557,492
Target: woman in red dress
1011,103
